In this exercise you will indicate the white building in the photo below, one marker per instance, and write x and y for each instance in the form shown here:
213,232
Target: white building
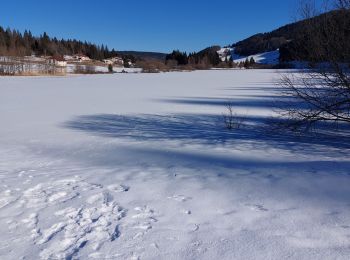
81,58
114,60
108,61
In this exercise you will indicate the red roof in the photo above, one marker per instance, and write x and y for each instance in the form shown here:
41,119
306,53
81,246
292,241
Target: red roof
58,58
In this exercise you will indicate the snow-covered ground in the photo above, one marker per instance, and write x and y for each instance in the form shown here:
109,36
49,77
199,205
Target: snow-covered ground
104,69
269,58
140,166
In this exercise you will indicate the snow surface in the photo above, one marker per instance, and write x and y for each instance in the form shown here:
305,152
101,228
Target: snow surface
140,166
271,57
225,53
72,67
268,58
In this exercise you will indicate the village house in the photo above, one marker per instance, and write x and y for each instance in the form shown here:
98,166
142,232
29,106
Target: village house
114,61
58,61
108,61
81,57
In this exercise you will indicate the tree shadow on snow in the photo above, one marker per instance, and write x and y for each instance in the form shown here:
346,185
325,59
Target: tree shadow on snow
203,129
209,129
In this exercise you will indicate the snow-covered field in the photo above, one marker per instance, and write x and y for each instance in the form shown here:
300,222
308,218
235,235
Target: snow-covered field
140,166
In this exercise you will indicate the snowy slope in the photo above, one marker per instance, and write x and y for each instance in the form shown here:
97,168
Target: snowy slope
225,53
139,166
270,58
261,58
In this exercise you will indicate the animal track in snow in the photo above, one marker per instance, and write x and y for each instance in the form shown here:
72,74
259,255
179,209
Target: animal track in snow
180,198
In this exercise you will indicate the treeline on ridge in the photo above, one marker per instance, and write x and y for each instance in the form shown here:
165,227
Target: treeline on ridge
204,58
14,43
295,40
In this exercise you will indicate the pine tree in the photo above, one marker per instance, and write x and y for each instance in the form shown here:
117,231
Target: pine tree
246,63
12,42
230,63
251,61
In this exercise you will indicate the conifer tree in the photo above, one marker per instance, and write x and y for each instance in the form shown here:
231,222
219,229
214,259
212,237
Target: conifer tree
246,63
251,61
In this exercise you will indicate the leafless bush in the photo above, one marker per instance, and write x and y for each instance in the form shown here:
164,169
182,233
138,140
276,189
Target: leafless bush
172,64
85,69
342,4
152,66
231,119
110,68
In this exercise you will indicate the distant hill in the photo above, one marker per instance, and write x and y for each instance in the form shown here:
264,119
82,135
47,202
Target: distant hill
16,43
205,58
266,42
292,39
144,55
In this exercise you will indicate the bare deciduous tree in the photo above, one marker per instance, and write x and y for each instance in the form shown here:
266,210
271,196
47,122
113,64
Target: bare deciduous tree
323,89
342,4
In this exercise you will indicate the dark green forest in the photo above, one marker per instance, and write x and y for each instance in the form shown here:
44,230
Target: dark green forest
297,41
15,43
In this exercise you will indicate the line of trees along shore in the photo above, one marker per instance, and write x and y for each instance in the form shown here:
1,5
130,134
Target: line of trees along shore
15,43
206,57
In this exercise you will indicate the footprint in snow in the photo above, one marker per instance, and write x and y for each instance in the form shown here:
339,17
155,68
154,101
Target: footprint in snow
257,207
145,213
81,227
192,227
102,197
143,220
93,224
180,198
118,188
187,212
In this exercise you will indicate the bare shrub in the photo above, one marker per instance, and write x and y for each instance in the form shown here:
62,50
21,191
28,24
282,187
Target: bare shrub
342,4
84,69
172,64
110,68
223,65
231,119
152,66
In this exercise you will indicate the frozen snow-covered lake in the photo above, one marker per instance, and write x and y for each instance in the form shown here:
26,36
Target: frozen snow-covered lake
140,166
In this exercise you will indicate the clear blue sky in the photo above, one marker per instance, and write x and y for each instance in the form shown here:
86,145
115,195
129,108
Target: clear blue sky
148,25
